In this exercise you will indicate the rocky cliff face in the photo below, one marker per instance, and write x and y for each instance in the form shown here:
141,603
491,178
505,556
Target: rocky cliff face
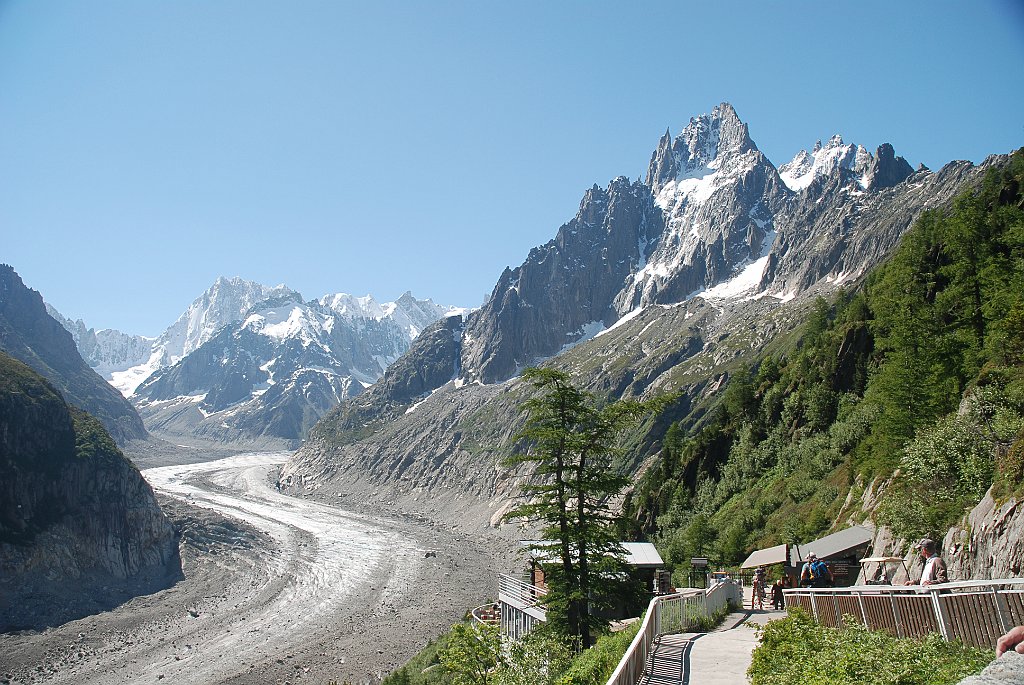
660,286
76,517
564,287
990,543
31,335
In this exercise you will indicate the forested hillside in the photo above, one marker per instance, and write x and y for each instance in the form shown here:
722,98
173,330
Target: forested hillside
914,382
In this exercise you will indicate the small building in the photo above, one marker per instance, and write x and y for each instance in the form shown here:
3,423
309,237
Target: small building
642,558
842,552
521,602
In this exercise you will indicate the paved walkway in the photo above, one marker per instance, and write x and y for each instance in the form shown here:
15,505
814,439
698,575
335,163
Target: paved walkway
720,657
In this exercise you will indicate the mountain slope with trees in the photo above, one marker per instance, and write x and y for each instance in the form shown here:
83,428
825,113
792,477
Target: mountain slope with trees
664,286
915,380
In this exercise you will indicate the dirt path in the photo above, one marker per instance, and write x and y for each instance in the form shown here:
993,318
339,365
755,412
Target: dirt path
277,589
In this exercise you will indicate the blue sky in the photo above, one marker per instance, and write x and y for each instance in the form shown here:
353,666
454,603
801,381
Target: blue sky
375,147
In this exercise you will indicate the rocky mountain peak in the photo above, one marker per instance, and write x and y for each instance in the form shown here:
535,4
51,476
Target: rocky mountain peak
888,169
835,157
226,301
851,163
702,142
28,333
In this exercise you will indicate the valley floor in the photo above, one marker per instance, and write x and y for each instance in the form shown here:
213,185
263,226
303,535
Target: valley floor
277,589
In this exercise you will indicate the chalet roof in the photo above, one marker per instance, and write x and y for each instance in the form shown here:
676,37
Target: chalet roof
766,557
835,545
638,554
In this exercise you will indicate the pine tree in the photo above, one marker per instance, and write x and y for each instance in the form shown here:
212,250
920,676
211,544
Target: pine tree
570,442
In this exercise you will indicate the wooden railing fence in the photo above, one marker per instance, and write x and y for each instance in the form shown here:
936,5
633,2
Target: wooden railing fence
974,612
671,614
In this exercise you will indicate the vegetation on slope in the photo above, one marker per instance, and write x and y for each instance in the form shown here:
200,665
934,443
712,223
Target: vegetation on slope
40,436
798,650
917,377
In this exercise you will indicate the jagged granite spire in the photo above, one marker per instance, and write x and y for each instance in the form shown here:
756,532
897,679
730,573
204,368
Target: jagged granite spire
705,138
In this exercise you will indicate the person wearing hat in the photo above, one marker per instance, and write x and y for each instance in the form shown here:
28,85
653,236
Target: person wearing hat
934,566
815,573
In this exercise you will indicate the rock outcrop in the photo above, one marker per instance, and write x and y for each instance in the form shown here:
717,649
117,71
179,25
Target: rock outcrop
990,543
30,334
80,529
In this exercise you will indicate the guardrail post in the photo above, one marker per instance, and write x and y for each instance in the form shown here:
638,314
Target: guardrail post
896,615
863,611
814,606
941,617
1002,610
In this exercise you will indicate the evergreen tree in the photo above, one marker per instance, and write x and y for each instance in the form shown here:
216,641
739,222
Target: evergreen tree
571,442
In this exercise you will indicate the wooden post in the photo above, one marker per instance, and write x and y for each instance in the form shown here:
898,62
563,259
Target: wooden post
1002,610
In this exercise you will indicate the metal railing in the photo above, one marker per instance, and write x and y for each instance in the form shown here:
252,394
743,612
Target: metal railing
487,614
520,606
523,594
670,614
975,612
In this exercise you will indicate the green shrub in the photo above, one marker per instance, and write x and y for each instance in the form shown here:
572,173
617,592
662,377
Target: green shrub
797,651
595,665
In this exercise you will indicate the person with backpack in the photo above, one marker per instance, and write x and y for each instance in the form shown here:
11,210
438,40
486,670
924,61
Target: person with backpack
815,573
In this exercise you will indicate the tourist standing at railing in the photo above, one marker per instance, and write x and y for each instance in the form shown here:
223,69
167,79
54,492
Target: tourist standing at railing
815,573
934,565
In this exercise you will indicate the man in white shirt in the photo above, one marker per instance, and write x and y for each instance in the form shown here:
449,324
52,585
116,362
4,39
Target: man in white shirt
934,567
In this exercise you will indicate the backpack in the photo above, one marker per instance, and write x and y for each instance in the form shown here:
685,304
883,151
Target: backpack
819,571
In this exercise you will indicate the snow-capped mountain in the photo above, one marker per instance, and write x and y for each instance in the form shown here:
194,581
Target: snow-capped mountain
270,374
718,195
226,301
824,161
714,218
836,158
107,351
653,287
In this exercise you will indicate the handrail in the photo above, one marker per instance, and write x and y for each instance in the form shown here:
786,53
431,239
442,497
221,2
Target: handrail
486,614
657,621
953,585
975,612
528,595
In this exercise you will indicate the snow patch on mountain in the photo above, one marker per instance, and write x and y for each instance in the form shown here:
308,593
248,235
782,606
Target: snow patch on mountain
826,160
295,322
626,318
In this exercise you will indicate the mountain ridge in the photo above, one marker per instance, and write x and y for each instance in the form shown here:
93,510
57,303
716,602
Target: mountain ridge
28,333
729,240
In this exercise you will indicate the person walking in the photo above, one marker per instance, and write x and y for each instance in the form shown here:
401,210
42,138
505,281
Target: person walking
778,599
757,592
